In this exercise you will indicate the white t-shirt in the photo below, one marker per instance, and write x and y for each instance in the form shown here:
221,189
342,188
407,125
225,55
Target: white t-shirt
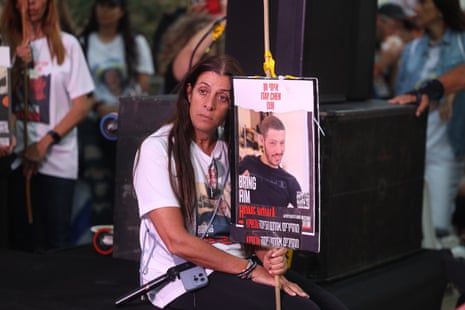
108,67
51,89
153,190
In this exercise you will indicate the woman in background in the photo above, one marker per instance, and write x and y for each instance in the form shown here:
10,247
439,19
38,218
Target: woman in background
45,134
192,36
121,64
111,45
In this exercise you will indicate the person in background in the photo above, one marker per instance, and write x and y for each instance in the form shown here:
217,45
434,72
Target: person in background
446,84
57,86
121,64
171,168
109,43
393,30
192,36
423,61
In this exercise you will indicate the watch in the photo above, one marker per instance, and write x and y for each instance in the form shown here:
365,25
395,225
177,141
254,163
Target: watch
55,136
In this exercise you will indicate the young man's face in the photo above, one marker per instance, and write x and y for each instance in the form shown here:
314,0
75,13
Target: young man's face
273,147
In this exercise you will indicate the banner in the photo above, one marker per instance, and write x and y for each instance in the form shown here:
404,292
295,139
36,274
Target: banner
275,163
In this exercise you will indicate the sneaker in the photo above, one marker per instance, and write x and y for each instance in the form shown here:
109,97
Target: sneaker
449,241
458,251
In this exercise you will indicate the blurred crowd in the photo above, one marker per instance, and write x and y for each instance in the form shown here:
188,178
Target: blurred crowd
120,62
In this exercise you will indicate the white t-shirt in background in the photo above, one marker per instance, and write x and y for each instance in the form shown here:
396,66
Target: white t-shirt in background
108,67
51,89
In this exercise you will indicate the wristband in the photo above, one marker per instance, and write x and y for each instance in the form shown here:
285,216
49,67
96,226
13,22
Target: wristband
431,88
251,265
55,136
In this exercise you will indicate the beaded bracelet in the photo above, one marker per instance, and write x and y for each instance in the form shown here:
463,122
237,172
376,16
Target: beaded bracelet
251,265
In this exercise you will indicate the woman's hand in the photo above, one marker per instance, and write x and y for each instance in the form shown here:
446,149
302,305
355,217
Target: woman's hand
292,288
412,99
34,155
31,161
275,261
262,276
24,52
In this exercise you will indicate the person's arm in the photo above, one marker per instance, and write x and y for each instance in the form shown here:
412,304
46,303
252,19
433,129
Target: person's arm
81,106
170,225
145,69
35,153
182,60
388,55
450,82
453,80
143,79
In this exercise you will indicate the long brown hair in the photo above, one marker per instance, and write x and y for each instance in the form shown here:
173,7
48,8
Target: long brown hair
12,30
452,13
182,132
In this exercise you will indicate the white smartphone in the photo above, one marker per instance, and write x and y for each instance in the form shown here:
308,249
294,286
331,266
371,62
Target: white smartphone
194,278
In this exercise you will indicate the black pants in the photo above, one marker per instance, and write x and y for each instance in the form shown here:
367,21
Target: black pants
225,291
51,202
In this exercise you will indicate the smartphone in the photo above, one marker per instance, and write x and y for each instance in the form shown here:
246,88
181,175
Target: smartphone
194,278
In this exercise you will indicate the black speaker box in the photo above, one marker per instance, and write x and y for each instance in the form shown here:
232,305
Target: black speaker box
137,118
333,41
372,165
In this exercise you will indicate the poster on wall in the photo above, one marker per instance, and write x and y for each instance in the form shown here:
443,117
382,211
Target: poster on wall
275,163
5,89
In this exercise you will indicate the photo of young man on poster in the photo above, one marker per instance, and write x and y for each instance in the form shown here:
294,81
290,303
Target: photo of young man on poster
272,184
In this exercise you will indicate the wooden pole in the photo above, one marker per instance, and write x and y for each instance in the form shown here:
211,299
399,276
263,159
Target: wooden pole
277,283
26,110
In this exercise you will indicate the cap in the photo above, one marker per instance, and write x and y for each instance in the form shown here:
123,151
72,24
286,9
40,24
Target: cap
392,10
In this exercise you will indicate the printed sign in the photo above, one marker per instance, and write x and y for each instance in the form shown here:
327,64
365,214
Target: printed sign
275,164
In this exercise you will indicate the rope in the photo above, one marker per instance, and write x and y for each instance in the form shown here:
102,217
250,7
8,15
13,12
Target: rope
268,67
26,112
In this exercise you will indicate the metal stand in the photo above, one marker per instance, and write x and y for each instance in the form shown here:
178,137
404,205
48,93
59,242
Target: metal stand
170,275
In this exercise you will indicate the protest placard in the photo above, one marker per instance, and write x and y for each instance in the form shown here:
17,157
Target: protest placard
275,163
